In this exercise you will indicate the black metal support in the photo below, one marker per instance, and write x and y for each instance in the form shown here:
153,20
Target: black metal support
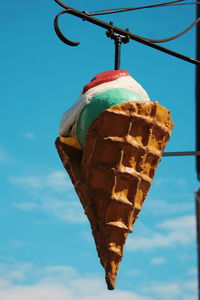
198,143
119,39
117,52
198,94
183,153
84,16
197,198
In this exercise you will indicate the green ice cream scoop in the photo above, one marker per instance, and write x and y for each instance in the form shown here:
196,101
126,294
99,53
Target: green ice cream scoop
98,104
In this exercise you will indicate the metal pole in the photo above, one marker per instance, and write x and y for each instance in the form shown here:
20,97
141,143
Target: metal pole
182,153
198,93
198,236
117,52
198,144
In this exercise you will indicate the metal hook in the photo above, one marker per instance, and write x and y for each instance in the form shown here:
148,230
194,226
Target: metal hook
59,33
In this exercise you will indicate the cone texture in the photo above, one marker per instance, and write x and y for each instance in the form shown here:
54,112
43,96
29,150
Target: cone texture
113,174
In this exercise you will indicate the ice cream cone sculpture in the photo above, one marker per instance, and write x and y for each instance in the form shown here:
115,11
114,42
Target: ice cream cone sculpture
110,143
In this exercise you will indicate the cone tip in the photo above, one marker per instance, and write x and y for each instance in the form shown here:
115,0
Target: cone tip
110,280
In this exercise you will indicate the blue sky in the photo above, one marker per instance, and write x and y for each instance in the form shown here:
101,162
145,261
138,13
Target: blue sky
46,247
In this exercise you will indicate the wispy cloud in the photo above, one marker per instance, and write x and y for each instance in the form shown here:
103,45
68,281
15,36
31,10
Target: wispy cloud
52,193
158,261
92,291
15,272
70,211
192,272
28,206
4,157
56,180
160,207
164,290
29,135
28,281
183,290
134,273
165,180
12,244
65,210
169,234
24,273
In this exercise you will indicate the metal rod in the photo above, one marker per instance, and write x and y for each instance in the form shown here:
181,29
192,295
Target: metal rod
198,94
117,52
197,198
119,31
186,153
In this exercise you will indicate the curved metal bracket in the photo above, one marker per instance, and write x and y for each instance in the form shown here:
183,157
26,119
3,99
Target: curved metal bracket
84,16
59,33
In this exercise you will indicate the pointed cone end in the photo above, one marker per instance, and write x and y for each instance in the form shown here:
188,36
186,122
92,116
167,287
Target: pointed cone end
110,280
111,273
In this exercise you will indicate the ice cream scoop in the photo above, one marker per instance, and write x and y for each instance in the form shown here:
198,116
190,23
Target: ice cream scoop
99,103
101,83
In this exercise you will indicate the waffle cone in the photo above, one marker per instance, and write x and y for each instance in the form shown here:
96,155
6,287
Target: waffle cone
113,174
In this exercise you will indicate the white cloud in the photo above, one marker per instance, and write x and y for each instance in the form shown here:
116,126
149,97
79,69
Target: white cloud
56,274
51,193
160,207
13,273
29,135
12,244
28,281
165,290
3,211
134,272
163,181
25,205
92,291
22,273
70,211
4,157
157,260
192,272
4,283
55,282
169,234
56,181
191,285
174,291
184,223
